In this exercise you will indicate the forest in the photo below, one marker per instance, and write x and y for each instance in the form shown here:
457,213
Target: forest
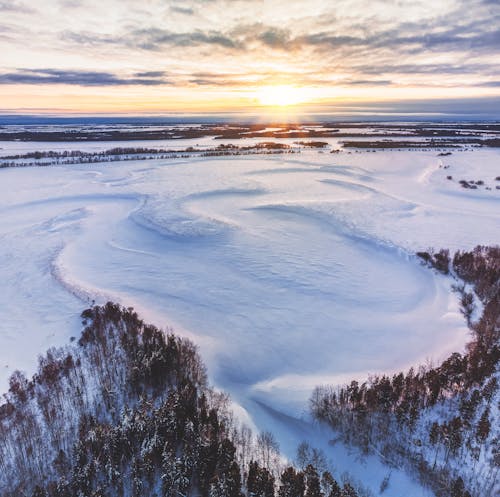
127,411
440,422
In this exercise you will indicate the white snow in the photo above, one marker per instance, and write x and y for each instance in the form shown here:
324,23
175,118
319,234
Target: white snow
288,271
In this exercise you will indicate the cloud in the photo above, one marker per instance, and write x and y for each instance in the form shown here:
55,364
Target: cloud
88,38
268,35
453,32
182,10
206,82
71,4
404,41
357,43
365,82
328,40
275,37
449,40
424,68
15,7
150,74
80,78
155,38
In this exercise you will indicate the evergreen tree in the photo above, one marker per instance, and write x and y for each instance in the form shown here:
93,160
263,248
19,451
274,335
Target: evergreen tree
330,486
457,488
312,482
292,483
483,426
39,492
348,491
260,482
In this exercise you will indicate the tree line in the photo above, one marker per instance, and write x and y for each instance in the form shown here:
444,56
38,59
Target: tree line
433,419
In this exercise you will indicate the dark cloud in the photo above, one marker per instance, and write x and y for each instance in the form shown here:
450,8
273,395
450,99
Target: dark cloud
12,6
379,68
330,40
365,82
80,78
207,78
449,40
150,74
220,81
155,38
275,37
455,33
182,10
88,39
403,41
267,35
206,82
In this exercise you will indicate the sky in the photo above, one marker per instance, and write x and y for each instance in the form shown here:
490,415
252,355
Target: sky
206,56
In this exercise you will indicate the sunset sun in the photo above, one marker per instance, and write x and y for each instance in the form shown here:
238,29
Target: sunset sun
282,95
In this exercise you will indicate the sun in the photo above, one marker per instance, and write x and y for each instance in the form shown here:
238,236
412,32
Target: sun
281,95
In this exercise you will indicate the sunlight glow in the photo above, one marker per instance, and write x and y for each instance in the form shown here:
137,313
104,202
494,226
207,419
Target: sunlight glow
282,95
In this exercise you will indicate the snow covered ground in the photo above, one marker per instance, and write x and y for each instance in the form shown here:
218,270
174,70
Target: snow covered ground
288,271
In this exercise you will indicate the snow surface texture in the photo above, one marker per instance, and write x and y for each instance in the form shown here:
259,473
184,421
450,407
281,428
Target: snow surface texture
287,271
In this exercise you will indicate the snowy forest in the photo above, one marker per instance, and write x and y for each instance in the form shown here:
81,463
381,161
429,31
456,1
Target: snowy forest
440,422
127,411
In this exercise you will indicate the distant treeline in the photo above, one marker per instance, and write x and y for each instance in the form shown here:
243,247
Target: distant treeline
268,130
432,144
56,154
38,158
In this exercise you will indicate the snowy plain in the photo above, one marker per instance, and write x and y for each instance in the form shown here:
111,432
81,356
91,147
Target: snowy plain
288,271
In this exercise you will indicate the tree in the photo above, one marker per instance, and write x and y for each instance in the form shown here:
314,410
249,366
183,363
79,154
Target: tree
292,483
39,492
268,448
260,482
330,486
454,435
228,479
348,490
18,386
457,488
313,485
483,426
490,388
310,456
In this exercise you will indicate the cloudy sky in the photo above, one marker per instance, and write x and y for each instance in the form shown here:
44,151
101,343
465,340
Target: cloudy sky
154,56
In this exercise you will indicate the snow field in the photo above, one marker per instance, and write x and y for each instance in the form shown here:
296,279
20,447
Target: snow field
287,271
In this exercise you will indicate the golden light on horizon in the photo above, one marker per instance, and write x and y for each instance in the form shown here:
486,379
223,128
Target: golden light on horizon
282,95
287,102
